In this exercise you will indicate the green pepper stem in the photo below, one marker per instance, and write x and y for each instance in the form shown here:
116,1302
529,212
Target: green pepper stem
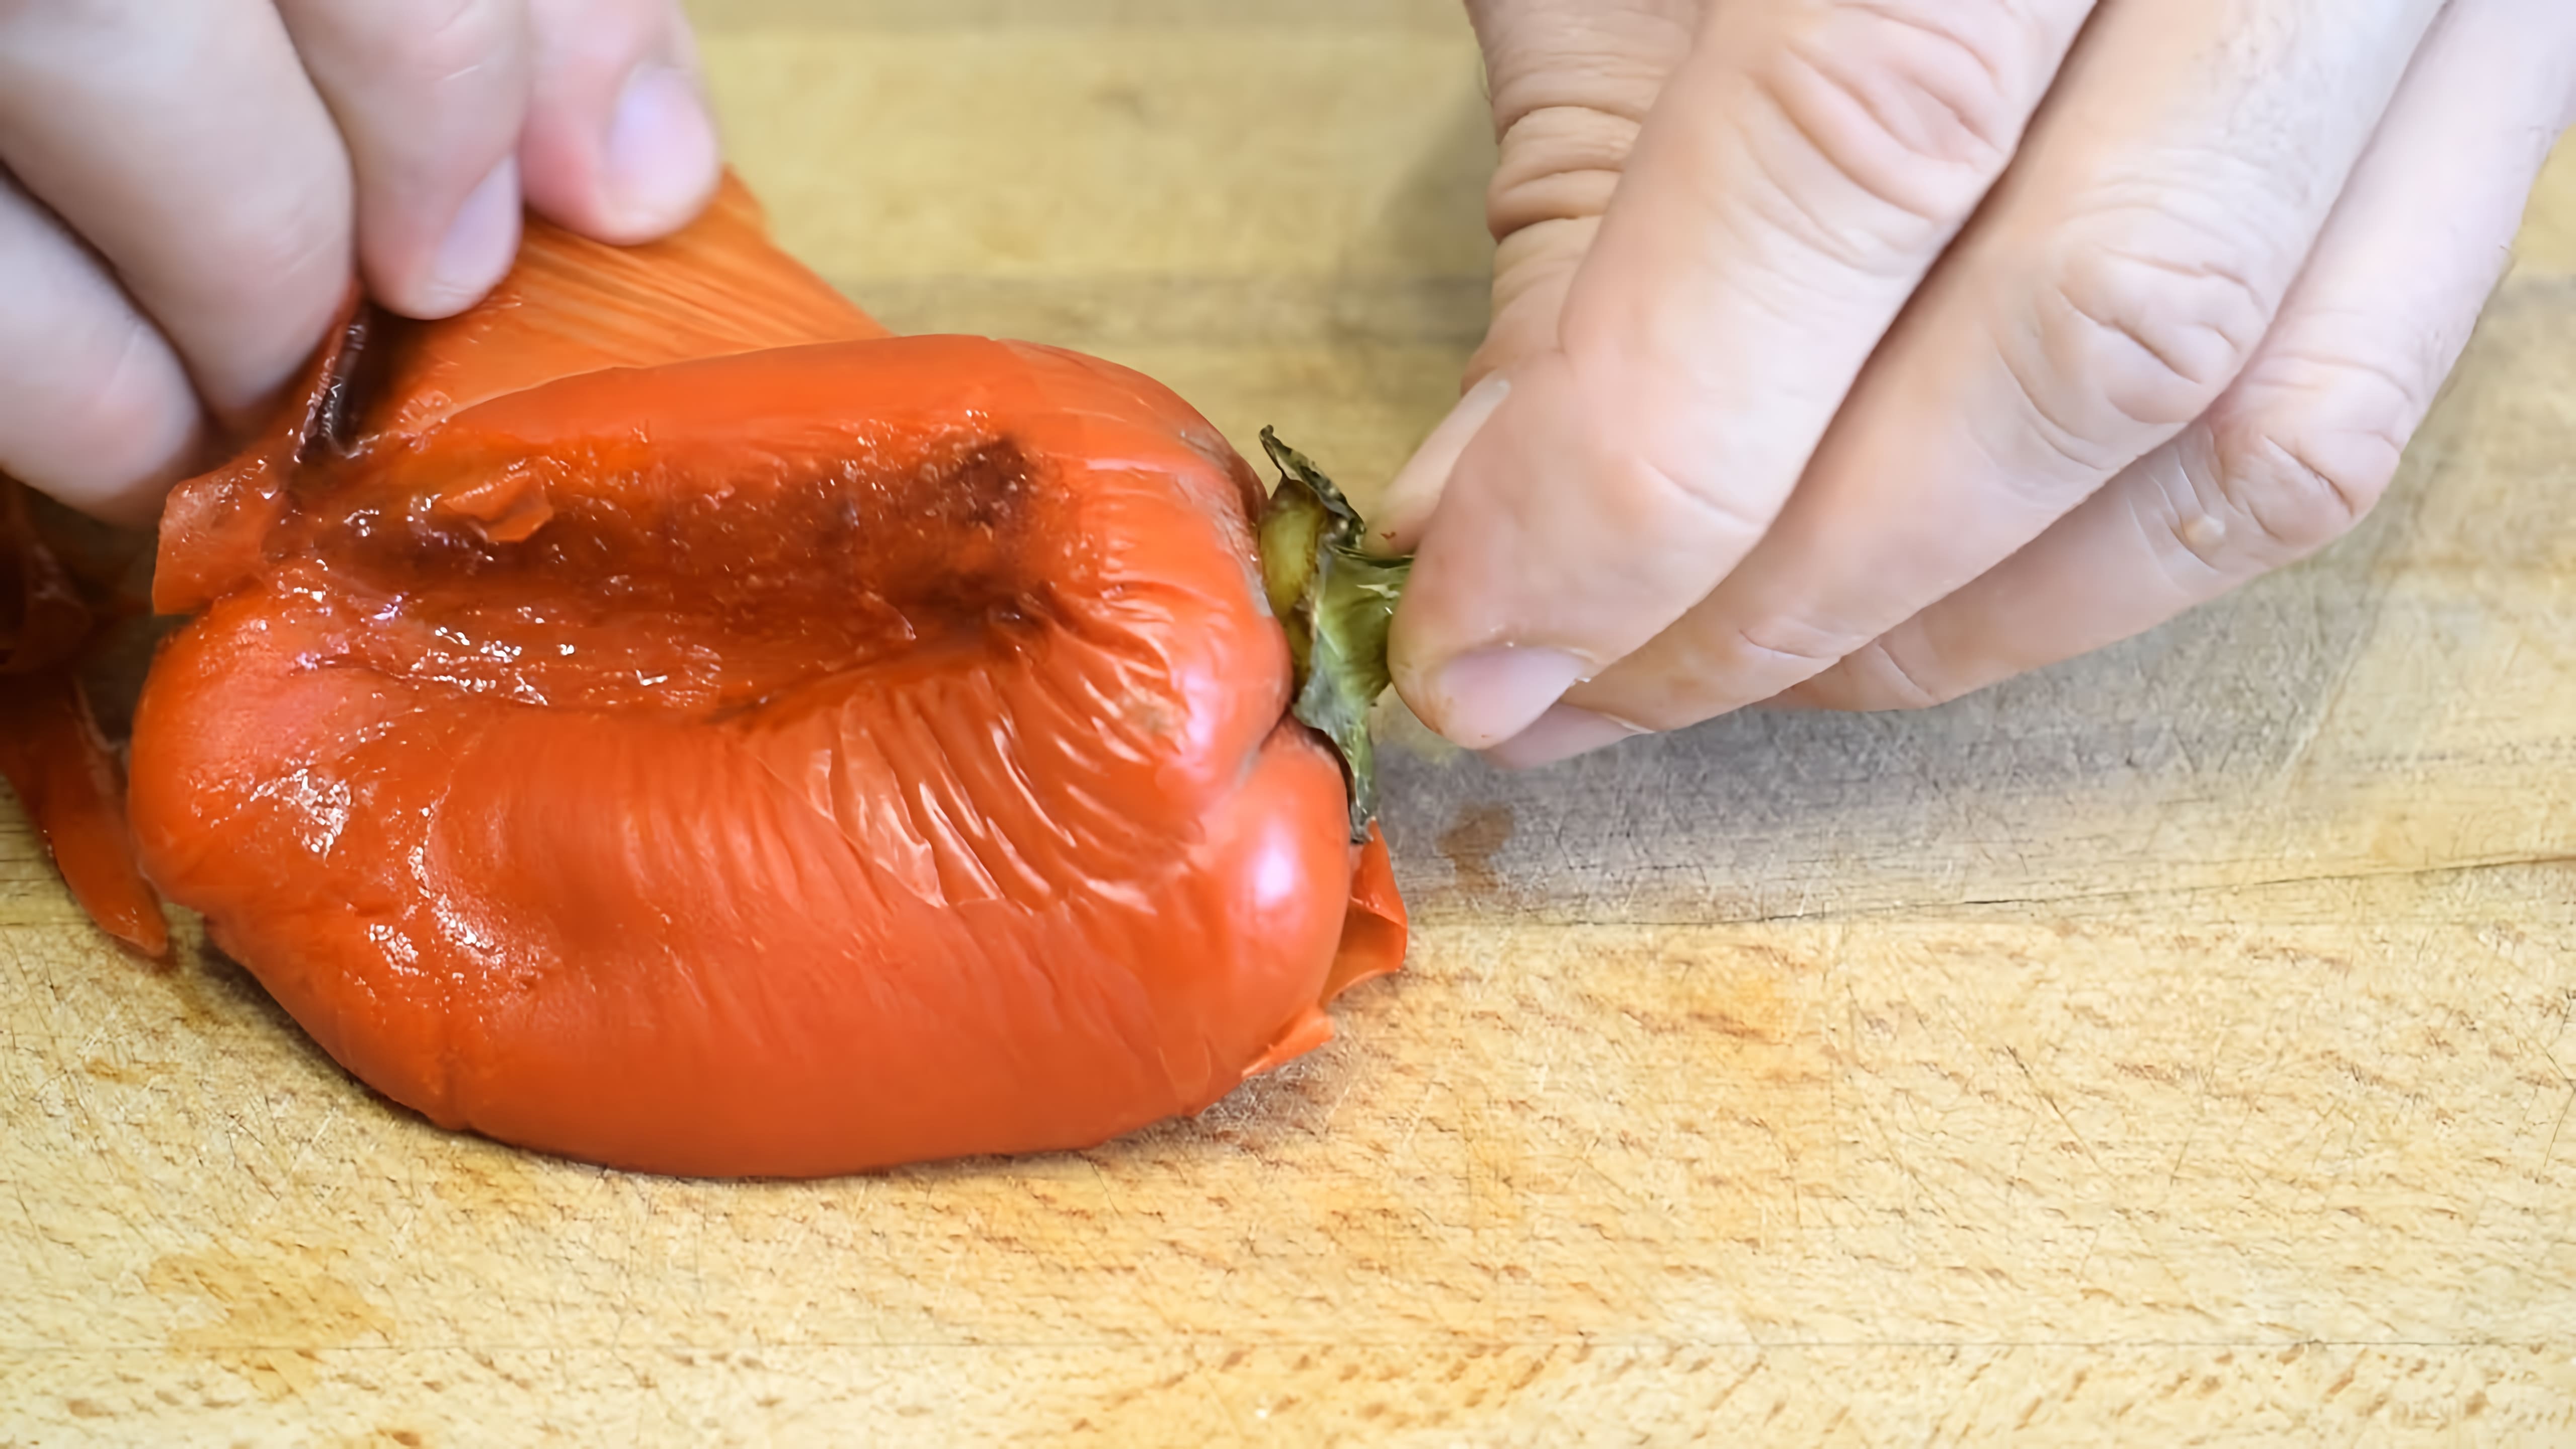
1336,602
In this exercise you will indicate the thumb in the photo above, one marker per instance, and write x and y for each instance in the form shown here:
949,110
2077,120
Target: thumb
1570,82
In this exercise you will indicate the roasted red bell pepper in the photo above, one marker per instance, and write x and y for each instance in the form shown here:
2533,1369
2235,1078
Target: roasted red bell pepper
659,718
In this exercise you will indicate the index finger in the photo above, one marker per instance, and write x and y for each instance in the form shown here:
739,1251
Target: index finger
1802,171
185,143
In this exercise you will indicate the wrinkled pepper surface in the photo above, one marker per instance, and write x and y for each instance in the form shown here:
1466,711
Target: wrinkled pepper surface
658,717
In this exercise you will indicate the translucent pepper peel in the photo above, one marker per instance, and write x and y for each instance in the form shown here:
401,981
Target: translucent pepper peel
51,751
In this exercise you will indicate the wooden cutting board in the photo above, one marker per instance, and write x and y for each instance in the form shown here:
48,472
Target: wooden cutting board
2176,1045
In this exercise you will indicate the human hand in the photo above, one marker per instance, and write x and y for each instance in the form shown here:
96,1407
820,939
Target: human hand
1862,353
189,186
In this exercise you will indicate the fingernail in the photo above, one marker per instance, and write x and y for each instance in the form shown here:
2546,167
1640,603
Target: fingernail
478,247
1484,698
1560,734
1409,500
659,161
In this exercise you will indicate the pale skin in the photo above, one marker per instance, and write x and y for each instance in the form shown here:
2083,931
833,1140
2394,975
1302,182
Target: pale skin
189,188
1852,354
1859,354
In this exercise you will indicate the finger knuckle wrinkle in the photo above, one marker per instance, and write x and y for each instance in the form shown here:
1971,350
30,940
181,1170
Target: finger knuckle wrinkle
1612,59
1892,684
1557,165
1727,514
2303,487
2125,338
429,46
1913,103
1791,640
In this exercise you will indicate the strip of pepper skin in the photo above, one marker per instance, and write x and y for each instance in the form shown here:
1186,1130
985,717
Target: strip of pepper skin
51,751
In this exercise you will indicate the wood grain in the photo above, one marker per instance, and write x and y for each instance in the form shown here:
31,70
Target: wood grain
2172,1047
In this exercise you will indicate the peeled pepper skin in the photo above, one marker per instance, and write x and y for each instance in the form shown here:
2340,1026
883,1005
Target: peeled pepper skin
659,719
51,752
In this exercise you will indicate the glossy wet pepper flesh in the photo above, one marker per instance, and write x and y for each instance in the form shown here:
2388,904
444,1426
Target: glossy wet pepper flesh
659,718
